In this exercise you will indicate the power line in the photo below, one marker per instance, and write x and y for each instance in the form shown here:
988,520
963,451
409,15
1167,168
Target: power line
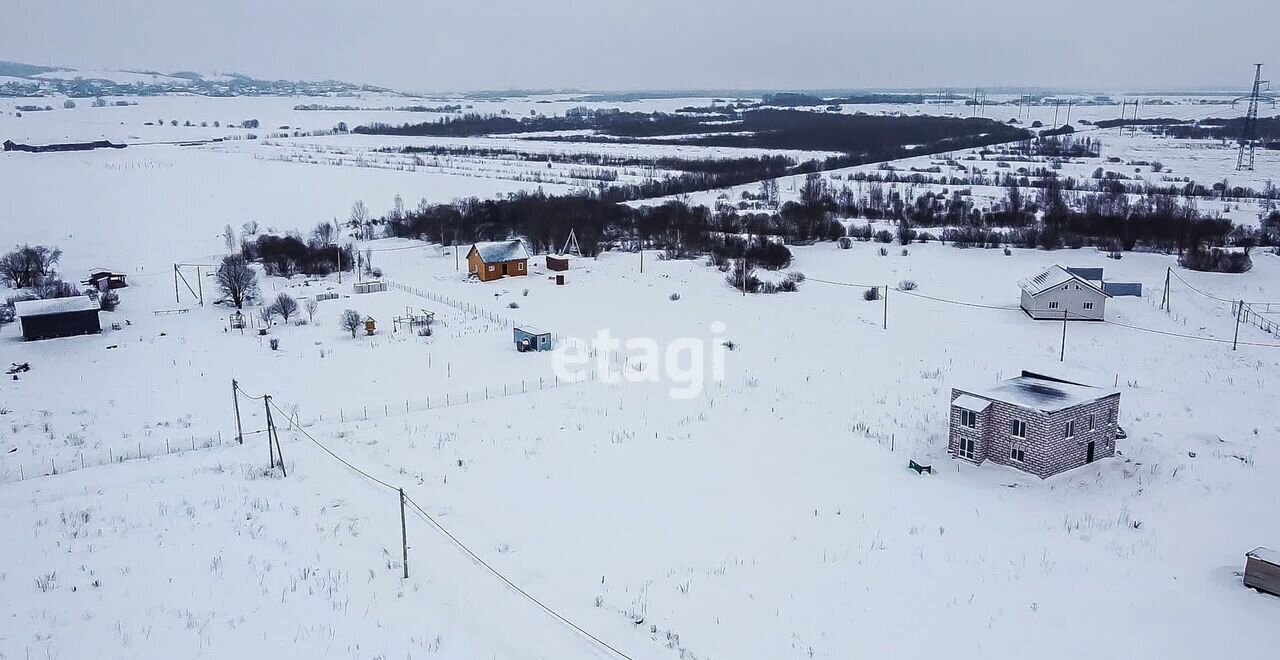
426,516
458,542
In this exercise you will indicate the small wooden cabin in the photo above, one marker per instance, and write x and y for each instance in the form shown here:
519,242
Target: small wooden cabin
557,262
1262,570
104,280
492,261
529,338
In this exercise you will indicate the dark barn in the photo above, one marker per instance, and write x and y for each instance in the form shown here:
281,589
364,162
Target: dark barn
57,317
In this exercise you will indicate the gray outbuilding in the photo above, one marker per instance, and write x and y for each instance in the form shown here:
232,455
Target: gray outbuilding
58,317
1057,293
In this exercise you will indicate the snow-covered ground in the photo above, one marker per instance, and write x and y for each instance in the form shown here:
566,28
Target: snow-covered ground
770,516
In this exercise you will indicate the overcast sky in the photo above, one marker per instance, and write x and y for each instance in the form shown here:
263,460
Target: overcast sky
667,44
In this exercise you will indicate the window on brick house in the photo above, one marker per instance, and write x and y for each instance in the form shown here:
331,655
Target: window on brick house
1018,454
969,418
1071,428
1018,429
1093,422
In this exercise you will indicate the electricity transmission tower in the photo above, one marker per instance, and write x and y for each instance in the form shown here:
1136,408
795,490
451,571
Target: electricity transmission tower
1249,136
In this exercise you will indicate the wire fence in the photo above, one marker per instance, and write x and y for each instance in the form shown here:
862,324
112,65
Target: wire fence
386,408
467,307
1249,314
13,470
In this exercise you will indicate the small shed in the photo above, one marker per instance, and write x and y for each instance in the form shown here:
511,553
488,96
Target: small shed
58,317
372,286
104,280
557,262
529,338
370,325
1262,570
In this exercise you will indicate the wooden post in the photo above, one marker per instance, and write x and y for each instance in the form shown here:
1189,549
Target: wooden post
404,537
200,285
235,403
886,307
175,285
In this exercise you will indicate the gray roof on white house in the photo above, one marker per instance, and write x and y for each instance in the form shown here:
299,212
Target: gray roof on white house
501,251
23,308
1052,277
1046,395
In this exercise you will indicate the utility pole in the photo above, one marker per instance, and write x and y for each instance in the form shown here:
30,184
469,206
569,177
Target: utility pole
1124,104
1239,312
176,301
235,403
1165,303
200,285
1247,139
744,276
404,537
1057,103
1062,357
1069,104
266,403
338,249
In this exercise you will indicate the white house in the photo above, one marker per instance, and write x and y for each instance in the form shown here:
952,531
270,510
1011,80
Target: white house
1057,292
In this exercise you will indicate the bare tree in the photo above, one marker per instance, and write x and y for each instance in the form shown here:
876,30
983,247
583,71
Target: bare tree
266,313
28,265
359,217
323,233
285,306
229,238
312,306
350,321
250,228
237,280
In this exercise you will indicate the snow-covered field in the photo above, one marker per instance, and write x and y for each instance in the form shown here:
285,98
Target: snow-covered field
770,516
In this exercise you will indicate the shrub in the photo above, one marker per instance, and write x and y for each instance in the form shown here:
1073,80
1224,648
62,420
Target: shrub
513,305
735,278
862,233
109,301
1215,260
905,252
1008,252
907,285
883,236
844,243
871,294
884,252
275,343
673,297
52,287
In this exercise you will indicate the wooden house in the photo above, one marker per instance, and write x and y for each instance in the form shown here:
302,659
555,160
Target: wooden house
104,280
492,261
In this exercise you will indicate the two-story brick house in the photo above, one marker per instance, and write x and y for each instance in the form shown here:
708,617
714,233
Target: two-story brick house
1034,423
